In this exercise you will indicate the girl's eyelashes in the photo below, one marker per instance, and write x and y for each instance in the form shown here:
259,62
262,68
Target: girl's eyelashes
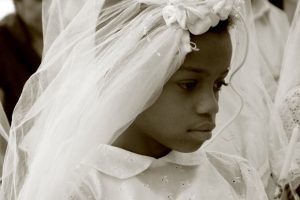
218,85
188,85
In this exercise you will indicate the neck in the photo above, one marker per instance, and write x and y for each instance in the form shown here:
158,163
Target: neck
138,142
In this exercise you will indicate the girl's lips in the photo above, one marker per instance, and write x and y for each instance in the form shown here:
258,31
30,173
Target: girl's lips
204,127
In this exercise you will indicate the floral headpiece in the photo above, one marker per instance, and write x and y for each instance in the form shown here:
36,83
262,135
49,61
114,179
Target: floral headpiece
197,16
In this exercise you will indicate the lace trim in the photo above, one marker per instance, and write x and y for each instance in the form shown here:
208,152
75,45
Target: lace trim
290,110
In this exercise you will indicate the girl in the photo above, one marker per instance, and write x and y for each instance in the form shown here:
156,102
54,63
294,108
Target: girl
123,101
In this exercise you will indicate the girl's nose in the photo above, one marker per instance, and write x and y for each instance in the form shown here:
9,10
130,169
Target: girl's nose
206,102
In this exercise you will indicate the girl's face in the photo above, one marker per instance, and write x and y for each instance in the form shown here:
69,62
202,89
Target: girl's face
183,117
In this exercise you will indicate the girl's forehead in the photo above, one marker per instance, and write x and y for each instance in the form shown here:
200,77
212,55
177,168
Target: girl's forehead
214,53
211,41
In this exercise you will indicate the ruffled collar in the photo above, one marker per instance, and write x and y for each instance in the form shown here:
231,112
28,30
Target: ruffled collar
123,164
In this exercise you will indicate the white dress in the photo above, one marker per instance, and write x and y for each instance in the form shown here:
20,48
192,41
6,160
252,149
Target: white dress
119,174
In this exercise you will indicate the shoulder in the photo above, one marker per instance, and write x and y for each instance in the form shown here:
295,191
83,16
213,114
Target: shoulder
8,19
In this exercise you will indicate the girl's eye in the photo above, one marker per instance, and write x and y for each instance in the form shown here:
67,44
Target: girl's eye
218,85
188,85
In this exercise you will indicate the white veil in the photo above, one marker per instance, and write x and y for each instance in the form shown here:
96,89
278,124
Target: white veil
4,124
4,129
91,85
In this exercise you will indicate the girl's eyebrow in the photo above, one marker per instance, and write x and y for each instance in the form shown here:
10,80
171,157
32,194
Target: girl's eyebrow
197,70
194,69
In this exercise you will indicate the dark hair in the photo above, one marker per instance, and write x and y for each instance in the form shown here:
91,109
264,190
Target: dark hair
221,27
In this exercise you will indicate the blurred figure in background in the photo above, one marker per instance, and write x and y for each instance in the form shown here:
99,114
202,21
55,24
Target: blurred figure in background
272,28
21,45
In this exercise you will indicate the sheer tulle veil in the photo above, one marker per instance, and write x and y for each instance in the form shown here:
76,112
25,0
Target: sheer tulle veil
103,64
4,129
4,124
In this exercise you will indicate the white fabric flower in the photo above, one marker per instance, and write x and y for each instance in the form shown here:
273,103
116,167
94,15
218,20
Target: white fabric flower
222,8
172,14
196,16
